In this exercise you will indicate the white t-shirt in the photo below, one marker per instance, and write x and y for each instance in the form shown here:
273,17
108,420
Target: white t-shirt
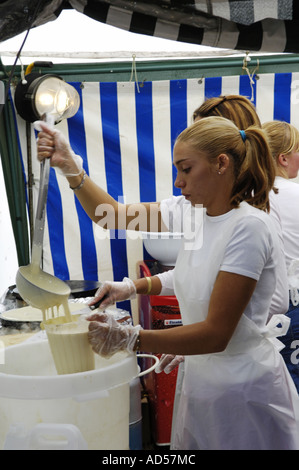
248,378
287,209
173,211
177,214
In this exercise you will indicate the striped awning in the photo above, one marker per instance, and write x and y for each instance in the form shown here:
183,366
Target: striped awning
251,25
125,135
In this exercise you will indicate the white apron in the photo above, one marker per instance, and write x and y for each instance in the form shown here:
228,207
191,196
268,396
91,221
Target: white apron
242,398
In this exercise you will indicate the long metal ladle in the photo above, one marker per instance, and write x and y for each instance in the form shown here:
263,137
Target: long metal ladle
37,288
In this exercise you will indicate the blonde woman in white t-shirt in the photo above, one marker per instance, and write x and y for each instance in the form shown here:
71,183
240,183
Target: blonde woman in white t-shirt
284,143
236,108
236,391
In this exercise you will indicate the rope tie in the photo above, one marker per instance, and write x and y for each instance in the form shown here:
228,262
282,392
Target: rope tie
134,72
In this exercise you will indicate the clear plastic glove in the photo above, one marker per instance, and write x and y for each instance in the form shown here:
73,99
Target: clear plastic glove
168,363
51,143
112,292
107,336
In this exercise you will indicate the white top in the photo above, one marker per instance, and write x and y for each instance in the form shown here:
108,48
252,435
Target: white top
242,241
287,209
249,377
176,210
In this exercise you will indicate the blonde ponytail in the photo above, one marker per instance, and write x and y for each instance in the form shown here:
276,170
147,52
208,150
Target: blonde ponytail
256,173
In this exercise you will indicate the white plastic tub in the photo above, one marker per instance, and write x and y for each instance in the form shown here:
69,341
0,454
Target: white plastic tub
95,402
163,246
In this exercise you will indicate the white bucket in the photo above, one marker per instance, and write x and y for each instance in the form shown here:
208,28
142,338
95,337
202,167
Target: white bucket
96,402
163,246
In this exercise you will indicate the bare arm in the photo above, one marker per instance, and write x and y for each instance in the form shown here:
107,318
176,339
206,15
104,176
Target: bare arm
97,203
230,295
142,285
109,213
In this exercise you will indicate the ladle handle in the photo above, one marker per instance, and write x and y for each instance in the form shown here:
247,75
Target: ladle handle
41,203
38,234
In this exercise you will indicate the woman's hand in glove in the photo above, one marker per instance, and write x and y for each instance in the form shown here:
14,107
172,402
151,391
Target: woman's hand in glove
107,336
168,363
52,144
112,292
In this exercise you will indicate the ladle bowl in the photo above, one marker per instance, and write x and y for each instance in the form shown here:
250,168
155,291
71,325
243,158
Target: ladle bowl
40,289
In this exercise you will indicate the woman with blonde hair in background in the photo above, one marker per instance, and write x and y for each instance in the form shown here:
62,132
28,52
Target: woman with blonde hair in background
284,143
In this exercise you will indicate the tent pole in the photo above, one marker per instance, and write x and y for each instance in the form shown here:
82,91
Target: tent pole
30,179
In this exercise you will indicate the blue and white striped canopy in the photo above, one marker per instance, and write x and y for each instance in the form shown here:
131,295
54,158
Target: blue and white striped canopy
125,136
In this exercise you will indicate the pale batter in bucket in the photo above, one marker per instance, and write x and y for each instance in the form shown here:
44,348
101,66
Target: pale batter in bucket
67,336
69,345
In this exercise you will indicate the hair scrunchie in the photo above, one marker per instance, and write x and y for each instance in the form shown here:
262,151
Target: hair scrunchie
243,135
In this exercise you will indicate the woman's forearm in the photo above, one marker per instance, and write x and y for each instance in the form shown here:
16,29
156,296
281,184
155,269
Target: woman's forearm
91,196
104,210
148,286
198,338
230,295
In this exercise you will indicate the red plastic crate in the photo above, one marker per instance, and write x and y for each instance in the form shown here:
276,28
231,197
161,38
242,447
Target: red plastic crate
159,312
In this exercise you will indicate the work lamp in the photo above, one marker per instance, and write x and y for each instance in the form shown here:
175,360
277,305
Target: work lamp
40,95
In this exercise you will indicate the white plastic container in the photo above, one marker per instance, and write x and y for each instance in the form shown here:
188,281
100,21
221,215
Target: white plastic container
135,417
96,402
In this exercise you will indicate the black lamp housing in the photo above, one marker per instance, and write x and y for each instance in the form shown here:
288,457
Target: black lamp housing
27,91
24,96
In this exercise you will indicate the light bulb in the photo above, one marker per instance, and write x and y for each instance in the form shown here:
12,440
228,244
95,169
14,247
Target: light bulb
62,102
45,99
56,97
